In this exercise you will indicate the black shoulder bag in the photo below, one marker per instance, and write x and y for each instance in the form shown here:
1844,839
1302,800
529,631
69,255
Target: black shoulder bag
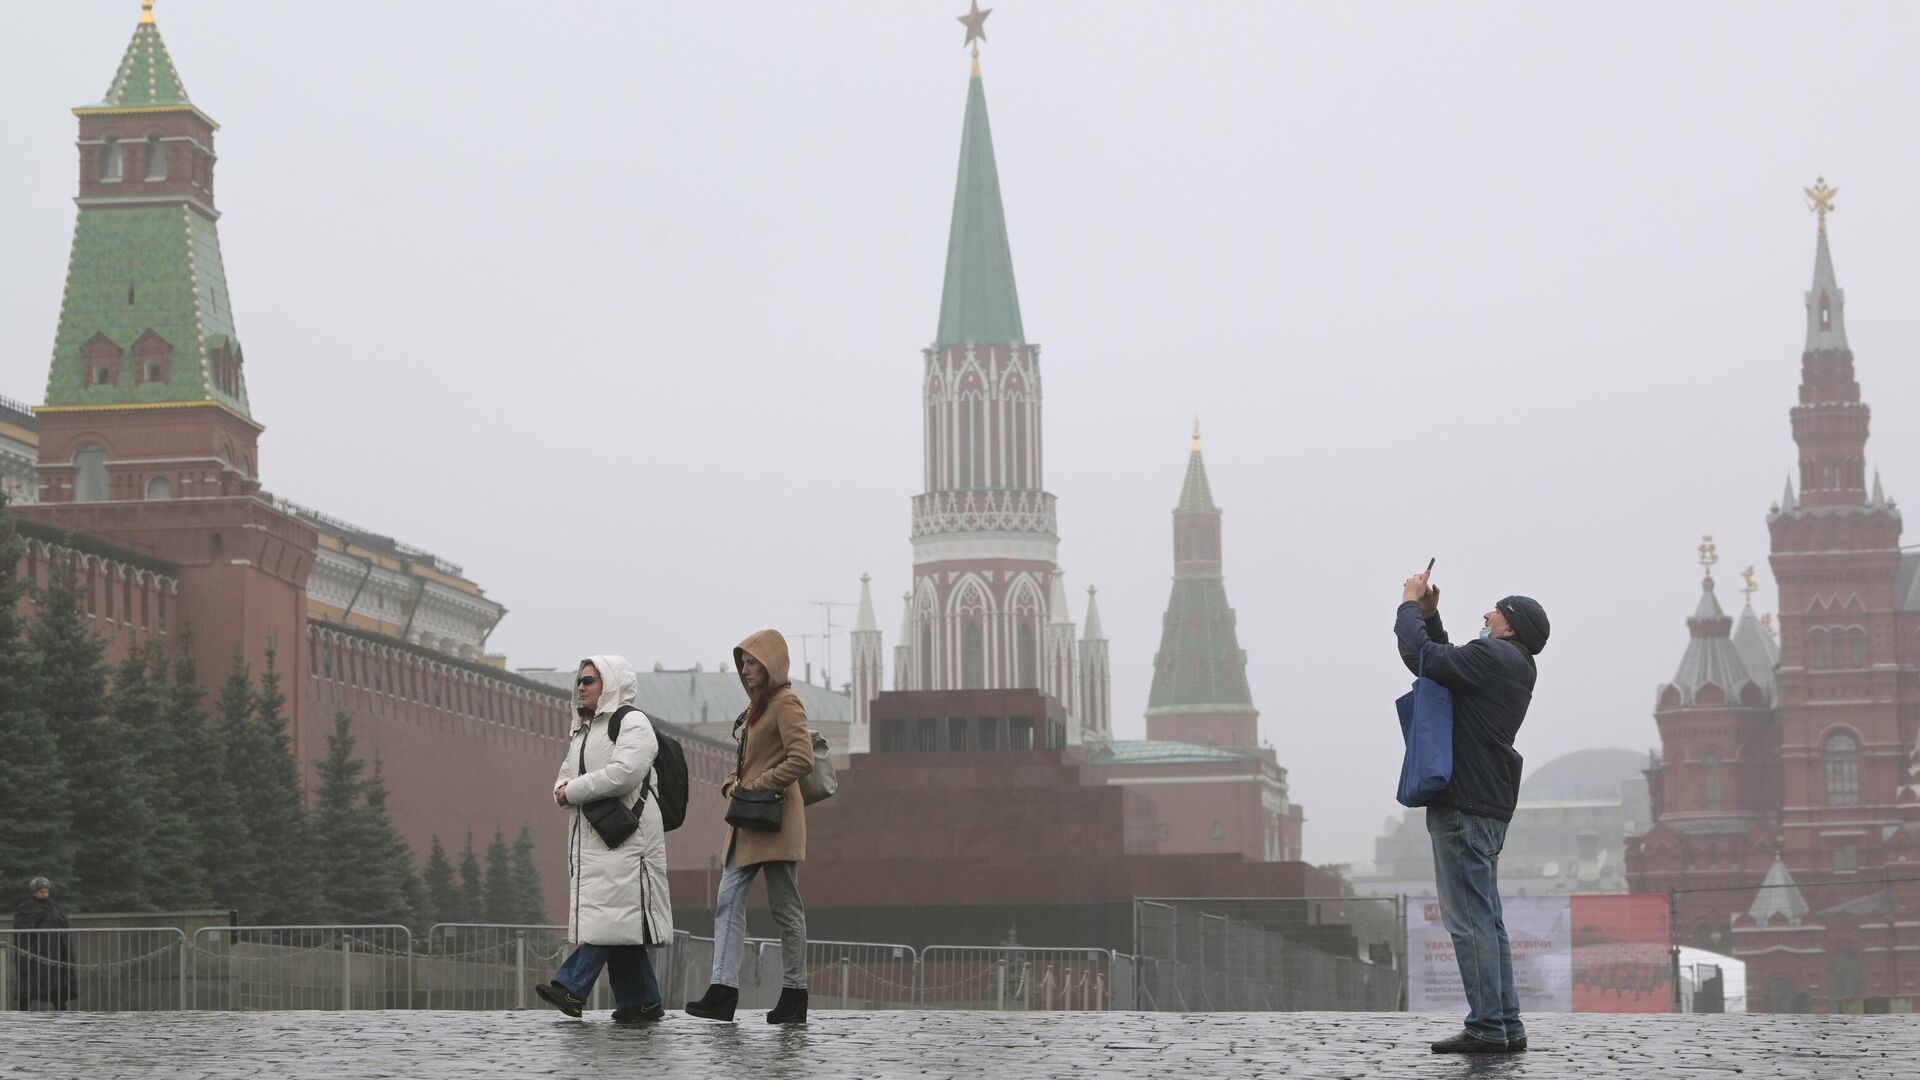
611,817
755,811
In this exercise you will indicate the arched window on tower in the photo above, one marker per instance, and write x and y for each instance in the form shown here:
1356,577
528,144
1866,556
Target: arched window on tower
1842,752
926,655
90,473
152,358
1019,442
1856,649
1817,650
1826,312
1026,659
973,656
1713,781
156,158
158,488
113,166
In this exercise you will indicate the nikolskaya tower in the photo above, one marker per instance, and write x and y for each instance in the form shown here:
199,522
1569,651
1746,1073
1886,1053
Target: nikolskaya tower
988,607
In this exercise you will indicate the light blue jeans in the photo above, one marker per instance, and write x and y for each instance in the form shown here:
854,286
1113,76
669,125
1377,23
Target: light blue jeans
730,921
1466,869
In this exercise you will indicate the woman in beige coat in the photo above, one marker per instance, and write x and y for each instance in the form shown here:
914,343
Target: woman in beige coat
775,753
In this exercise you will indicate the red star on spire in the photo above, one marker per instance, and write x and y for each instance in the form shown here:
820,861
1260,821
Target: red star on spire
976,24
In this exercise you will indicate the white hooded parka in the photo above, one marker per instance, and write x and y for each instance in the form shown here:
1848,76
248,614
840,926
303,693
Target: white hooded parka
617,896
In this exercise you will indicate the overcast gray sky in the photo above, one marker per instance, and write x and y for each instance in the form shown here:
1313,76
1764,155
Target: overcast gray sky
620,305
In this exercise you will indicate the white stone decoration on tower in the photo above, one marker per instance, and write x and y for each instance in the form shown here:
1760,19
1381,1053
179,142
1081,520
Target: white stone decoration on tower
903,648
867,674
1096,680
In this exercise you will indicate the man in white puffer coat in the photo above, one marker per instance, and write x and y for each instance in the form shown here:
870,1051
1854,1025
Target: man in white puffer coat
617,897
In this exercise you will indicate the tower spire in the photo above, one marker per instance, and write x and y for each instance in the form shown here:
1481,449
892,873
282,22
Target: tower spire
1830,421
978,302
1200,691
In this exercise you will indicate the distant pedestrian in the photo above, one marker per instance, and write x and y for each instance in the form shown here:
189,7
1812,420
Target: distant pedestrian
775,752
43,963
618,904
1492,683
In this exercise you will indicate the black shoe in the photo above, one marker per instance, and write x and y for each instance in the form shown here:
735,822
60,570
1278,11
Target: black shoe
718,1004
560,998
1467,1043
791,1008
1517,1046
649,1013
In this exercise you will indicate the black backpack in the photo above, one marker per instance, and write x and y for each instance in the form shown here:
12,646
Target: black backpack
670,765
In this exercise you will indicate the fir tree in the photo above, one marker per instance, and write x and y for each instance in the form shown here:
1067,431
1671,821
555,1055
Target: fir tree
473,906
501,903
530,902
395,856
280,878
149,812
72,693
36,813
239,881
443,900
207,792
354,875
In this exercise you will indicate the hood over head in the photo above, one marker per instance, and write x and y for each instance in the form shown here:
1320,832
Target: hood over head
618,685
770,648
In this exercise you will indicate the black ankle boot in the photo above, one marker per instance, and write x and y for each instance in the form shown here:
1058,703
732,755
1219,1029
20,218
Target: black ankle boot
791,1008
718,1004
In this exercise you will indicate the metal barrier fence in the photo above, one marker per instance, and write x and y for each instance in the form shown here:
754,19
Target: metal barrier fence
1016,977
840,974
302,967
1251,955
487,966
1188,959
109,969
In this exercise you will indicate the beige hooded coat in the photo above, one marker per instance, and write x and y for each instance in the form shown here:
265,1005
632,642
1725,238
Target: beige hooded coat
617,896
778,751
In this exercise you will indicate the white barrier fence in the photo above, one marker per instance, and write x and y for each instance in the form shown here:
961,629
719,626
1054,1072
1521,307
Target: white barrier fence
1016,978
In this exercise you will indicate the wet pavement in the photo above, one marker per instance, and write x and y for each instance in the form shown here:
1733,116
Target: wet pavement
937,1045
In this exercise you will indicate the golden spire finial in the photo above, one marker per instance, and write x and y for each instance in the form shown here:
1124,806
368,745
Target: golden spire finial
1750,587
146,12
1709,554
1196,434
1820,200
1766,623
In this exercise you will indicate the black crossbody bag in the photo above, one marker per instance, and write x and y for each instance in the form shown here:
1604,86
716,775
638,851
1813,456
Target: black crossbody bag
755,811
611,817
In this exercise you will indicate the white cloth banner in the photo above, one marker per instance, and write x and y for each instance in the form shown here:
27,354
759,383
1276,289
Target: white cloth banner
1540,929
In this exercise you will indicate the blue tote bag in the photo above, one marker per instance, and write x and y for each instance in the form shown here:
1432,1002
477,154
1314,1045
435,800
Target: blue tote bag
1426,723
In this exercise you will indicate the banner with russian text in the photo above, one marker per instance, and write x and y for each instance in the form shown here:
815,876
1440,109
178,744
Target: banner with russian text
1570,954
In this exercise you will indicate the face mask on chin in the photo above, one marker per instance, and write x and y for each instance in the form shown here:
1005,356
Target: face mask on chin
1486,632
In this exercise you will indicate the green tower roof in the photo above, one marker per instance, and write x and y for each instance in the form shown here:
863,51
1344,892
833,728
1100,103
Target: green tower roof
978,303
136,270
146,78
1195,492
1200,667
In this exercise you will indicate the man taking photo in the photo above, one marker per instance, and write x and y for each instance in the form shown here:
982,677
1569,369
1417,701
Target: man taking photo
1491,679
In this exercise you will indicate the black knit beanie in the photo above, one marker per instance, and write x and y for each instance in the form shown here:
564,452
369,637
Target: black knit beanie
1528,620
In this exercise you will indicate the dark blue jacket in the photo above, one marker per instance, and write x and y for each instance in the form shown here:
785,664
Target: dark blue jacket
1492,684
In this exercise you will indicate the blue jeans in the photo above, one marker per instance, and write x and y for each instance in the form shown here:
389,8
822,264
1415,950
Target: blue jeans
730,921
628,968
1466,869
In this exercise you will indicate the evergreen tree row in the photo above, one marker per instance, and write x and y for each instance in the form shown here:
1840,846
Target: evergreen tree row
133,792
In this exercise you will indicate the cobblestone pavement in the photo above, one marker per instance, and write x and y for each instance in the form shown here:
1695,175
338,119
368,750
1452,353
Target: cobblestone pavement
932,1046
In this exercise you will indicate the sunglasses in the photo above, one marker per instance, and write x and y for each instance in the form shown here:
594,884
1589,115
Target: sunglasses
586,680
